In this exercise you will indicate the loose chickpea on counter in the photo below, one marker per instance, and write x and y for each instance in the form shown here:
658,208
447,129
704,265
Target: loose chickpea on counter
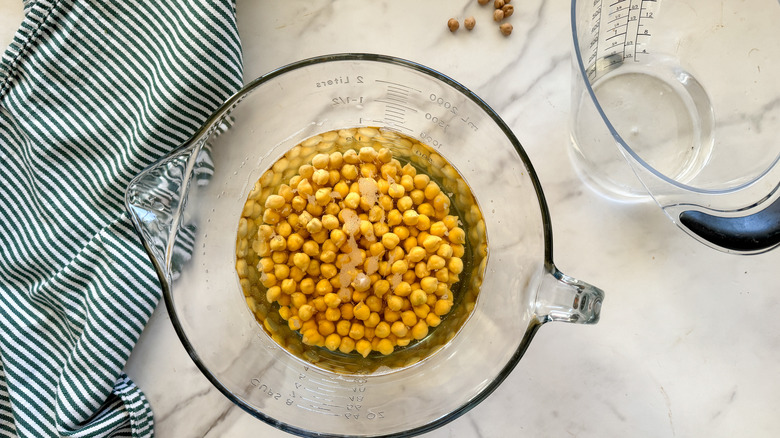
357,252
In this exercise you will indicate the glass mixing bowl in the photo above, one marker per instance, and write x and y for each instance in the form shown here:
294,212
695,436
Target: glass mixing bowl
186,209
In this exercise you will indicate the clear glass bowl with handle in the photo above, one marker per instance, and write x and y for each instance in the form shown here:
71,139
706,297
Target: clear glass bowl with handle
186,209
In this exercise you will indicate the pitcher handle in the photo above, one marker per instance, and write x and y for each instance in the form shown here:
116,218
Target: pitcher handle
749,234
563,298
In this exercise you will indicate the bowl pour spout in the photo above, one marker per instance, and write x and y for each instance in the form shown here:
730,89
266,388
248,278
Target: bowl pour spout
154,201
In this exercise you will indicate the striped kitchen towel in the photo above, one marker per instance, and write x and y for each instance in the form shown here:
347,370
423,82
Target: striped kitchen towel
91,92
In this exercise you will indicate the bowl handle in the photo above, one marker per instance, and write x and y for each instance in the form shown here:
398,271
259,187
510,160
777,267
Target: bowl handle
563,298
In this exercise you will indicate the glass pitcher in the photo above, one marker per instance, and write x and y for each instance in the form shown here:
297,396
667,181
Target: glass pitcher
678,100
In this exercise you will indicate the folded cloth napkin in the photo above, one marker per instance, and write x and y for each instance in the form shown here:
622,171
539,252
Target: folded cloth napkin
90,94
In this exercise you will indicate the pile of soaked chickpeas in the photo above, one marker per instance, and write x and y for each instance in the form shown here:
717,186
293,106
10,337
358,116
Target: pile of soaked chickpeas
355,251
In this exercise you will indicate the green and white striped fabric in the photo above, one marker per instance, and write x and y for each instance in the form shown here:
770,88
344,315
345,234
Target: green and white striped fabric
91,92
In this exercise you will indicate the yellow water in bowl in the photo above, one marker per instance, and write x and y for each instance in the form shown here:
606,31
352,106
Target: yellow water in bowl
329,246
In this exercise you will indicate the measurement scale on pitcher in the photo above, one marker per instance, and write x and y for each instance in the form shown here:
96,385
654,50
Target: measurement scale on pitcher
620,31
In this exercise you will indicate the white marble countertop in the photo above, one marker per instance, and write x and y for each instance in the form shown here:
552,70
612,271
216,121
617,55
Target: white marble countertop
689,340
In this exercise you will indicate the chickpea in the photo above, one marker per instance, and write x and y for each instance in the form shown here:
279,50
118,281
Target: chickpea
394,217
332,300
390,240
423,222
417,196
382,330
351,156
420,330
418,297
273,293
338,237
385,346
421,269
374,303
435,262
367,229
396,191
457,235
380,229
352,200
431,190
439,229
386,202
395,302
326,327
402,232
431,243
298,203
342,327
399,267
421,311
455,265
275,202
347,345
361,311
347,311
409,318
305,312
349,172
323,287
333,314
356,331
453,24
294,242
441,202
341,189
376,213
428,285
372,321
405,203
442,307
361,283
288,286
298,299
443,276
367,154
399,329
410,217
333,342
312,337
363,347
301,260
403,289
320,161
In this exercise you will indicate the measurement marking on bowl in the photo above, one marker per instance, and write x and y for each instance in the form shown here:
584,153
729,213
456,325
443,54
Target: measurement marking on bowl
396,102
318,411
323,405
319,393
